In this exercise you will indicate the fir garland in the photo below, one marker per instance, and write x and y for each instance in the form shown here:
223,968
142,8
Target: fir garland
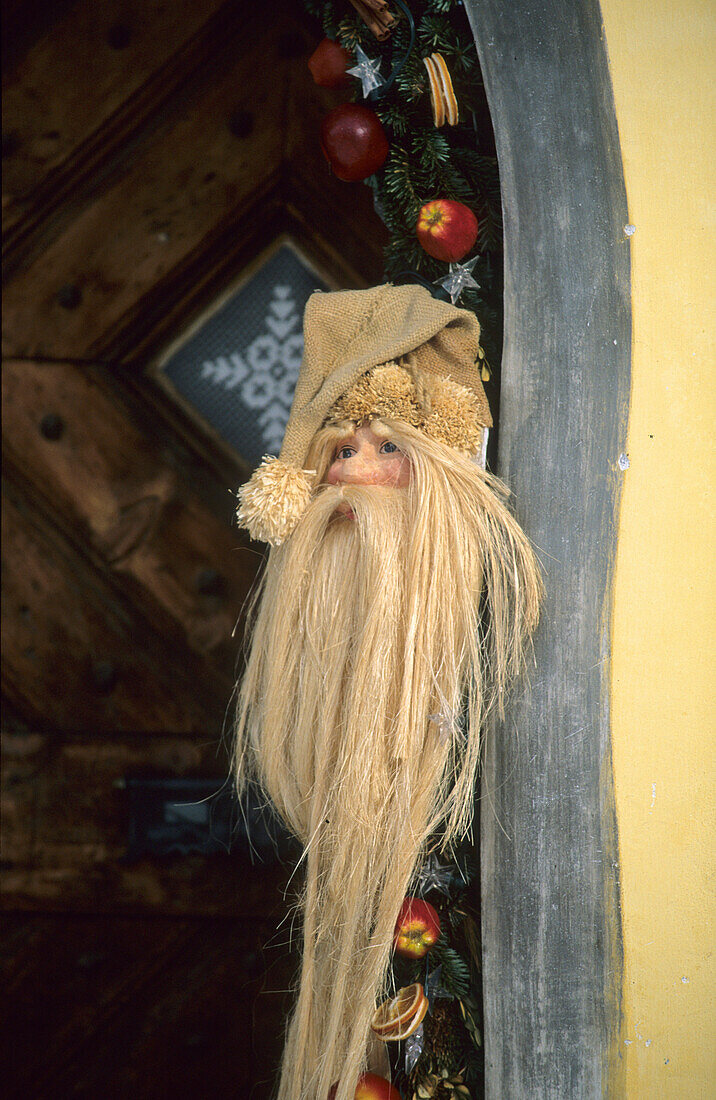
425,163
447,1061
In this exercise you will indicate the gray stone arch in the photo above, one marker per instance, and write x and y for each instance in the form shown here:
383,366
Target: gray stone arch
550,888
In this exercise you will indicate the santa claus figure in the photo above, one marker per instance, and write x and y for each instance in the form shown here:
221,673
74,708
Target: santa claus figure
397,602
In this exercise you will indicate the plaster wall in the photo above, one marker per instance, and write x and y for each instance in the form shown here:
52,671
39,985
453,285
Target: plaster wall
661,55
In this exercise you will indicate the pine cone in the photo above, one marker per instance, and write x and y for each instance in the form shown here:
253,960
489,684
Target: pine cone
438,1073
443,1035
442,1086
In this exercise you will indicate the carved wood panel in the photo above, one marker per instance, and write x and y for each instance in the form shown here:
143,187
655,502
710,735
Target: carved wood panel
65,832
81,89
196,171
150,152
112,486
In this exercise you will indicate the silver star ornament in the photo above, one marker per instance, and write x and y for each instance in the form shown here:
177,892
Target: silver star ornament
367,71
459,278
434,876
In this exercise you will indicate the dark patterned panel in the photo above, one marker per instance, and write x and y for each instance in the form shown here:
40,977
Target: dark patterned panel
239,367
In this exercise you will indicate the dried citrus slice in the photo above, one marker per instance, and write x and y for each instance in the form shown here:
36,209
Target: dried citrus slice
451,109
436,95
399,1008
401,1015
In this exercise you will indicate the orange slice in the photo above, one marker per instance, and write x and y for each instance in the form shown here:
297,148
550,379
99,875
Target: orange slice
401,1015
436,95
450,101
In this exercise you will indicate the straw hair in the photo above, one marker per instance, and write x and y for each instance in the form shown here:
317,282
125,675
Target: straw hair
379,647
273,500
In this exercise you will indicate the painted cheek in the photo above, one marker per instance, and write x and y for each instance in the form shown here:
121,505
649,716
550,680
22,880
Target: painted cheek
394,471
387,472
402,472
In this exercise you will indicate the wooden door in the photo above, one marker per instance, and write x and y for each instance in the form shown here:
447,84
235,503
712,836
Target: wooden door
150,154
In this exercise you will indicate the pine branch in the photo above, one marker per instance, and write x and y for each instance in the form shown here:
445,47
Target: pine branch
399,185
412,82
393,116
436,33
441,5
425,163
350,32
455,973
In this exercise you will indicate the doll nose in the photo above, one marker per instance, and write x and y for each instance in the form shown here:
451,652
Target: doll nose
365,470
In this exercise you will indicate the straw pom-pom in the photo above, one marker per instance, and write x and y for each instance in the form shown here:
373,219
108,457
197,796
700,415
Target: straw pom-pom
387,390
435,404
273,500
455,415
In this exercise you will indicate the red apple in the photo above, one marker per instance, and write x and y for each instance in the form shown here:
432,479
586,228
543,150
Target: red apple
328,64
370,1087
353,141
417,928
446,229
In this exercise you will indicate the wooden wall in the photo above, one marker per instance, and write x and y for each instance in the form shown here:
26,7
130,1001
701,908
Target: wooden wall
150,152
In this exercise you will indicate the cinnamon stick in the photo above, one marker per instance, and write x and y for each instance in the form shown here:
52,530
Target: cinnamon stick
380,8
377,17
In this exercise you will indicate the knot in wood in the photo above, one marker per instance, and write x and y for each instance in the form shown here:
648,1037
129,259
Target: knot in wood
52,427
69,296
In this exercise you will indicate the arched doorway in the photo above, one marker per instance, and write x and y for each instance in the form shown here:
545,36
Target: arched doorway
112,246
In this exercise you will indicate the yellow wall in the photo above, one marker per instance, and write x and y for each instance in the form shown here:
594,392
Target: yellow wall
662,57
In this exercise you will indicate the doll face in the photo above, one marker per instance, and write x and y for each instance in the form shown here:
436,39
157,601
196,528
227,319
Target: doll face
365,458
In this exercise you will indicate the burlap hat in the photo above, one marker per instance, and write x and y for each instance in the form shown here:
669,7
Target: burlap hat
392,351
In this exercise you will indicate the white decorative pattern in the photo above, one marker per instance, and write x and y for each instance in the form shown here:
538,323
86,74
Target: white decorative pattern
264,377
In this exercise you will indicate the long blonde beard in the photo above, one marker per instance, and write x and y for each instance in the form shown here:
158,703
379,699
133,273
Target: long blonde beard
360,711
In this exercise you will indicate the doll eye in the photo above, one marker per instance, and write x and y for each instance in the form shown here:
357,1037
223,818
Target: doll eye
388,448
345,452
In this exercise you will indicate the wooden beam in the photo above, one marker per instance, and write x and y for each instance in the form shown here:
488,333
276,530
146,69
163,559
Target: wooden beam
340,226
83,88
77,655
211,153
116,493
176,1007
550,894
200,189
65,828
